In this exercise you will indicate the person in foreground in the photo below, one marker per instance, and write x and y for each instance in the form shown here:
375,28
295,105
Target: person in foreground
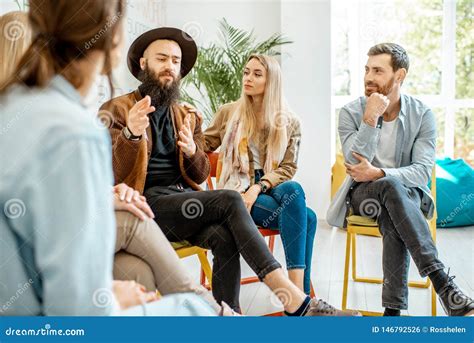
259,140
157,148
145,255
57,220
388,141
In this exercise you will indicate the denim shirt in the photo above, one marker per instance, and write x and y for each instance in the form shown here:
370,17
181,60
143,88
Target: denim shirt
56,203
415,150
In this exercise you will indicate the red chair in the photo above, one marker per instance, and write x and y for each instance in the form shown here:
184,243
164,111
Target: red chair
213,157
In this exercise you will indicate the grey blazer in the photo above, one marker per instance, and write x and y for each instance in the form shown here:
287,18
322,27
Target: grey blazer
415,150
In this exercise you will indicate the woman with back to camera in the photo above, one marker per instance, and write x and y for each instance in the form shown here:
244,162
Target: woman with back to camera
57,224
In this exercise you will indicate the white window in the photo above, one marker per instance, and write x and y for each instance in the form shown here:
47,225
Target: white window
437,35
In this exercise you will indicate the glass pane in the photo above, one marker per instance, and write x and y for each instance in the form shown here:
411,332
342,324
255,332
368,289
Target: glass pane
423,25
464,49
440,129
464,135
340,30
416,25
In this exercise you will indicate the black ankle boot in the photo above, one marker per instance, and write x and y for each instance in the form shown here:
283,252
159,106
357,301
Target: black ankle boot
390,312
454,301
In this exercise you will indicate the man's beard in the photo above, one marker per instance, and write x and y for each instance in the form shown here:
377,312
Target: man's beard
386,89
161,94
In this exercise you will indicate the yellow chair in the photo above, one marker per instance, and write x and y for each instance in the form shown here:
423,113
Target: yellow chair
185,249
358,225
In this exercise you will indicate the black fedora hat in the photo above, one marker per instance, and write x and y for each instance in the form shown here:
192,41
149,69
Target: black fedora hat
184,40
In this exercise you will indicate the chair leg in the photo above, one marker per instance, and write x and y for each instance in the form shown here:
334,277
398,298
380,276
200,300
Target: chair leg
354,260
206,268
203,278
433,301
203,275
346,271
420,284
271,243
312,294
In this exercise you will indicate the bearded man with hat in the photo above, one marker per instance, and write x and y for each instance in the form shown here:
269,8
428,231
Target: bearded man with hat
157,148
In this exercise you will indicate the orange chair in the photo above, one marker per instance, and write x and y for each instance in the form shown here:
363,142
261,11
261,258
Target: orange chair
213,157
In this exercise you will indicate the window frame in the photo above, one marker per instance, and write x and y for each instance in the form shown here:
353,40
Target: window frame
446,99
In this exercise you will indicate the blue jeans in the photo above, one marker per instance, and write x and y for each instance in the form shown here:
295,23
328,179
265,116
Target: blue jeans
284,208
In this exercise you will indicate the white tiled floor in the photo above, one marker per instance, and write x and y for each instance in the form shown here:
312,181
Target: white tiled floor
455,247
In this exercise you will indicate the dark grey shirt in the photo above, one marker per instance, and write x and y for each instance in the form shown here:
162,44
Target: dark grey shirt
163,168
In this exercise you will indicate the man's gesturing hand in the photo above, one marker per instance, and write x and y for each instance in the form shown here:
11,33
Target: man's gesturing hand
186,139
137,120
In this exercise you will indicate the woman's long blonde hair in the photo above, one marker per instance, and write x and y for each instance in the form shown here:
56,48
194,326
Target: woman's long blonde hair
15,40
276,114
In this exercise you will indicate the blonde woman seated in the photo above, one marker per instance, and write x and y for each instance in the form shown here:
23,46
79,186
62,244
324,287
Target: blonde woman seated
259,140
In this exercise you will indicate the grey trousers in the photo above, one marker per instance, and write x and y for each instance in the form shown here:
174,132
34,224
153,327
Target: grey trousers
404,231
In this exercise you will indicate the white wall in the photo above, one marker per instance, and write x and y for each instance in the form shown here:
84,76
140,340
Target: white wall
307,77
200,18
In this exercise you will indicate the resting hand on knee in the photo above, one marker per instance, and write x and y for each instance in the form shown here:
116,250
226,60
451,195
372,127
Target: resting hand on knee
128,199
250,196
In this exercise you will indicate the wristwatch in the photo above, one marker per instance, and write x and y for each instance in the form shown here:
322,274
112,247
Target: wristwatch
129,135
263,186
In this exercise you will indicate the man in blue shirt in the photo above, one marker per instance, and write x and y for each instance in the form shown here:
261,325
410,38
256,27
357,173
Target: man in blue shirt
389,140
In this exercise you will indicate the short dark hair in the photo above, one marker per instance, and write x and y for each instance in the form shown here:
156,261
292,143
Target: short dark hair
399,56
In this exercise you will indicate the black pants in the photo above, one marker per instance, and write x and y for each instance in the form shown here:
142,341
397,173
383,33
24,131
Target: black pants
219,221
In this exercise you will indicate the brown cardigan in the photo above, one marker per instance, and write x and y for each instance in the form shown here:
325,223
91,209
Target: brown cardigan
130,158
